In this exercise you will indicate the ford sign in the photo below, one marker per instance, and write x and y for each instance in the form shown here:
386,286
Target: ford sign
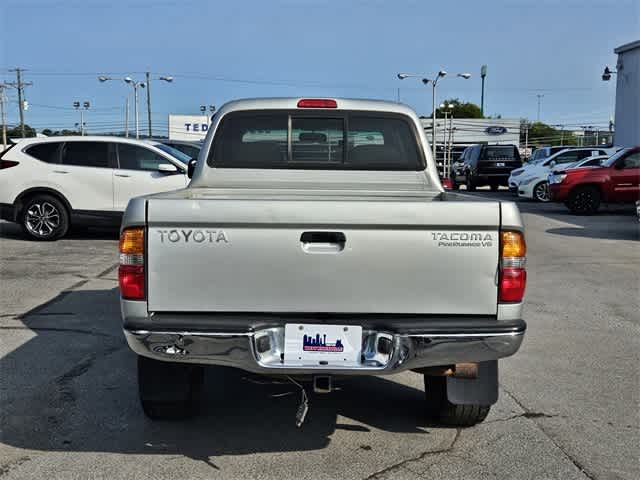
496,130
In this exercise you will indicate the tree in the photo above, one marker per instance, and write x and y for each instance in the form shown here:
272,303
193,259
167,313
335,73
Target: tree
460,109
16,132
57,133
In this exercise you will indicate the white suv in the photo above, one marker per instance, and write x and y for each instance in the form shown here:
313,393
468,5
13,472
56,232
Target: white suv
47,184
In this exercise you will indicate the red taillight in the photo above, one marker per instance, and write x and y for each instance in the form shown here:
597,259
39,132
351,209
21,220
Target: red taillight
512,284
317,103
131,271
513,276
131,279
7,164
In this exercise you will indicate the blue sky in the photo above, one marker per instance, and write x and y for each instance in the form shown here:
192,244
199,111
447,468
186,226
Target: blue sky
217,51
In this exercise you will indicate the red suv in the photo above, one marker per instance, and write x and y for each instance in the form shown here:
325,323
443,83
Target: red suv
583,189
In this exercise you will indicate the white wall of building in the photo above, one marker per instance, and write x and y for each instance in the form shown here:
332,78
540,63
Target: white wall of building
188,127
627,121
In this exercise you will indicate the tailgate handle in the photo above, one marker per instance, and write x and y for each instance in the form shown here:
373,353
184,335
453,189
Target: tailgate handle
323,242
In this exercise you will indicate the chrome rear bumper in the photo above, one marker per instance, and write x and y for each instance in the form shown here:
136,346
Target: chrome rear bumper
382,353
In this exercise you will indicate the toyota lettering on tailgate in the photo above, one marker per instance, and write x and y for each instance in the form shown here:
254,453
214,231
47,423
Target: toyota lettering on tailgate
196,236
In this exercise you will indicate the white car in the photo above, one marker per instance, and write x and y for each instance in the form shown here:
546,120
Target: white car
533,183
49,184
513,180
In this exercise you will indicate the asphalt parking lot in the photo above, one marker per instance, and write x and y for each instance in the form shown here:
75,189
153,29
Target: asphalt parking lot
568,408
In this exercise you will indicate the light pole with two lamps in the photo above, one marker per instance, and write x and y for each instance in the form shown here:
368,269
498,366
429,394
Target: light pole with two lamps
85,106
434,84
136,84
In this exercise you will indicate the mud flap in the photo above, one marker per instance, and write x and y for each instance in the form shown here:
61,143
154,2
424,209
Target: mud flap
475,391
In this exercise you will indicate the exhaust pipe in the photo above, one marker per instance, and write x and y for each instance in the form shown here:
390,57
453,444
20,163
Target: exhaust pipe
459,370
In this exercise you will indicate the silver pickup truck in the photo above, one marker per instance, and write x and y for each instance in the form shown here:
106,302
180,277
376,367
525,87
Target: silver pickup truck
315,242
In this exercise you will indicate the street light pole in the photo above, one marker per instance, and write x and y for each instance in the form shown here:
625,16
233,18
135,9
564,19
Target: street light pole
126,118
148,102
483,73
85,106
540,96
135,86
433,102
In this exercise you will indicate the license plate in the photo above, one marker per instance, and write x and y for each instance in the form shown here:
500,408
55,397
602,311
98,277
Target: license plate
322,345
499,164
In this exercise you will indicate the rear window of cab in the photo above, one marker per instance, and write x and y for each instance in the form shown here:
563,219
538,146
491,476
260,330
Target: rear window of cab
335,140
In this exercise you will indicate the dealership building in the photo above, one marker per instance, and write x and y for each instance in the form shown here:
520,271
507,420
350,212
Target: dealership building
628,95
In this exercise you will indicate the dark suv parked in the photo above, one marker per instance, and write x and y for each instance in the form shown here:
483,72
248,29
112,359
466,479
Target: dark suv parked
482,165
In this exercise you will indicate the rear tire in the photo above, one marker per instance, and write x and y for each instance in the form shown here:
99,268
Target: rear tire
44,218
495,187
441,410
584,200
169,391
471,187
454,185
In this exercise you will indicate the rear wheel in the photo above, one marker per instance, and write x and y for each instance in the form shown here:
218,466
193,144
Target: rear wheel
169,390
44,217
495,187
454,185
541,192
471,187
441,410
584,200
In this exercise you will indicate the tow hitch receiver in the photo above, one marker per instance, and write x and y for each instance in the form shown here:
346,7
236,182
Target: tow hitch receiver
322,384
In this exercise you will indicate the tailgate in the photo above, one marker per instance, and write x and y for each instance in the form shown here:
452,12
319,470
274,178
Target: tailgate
339,256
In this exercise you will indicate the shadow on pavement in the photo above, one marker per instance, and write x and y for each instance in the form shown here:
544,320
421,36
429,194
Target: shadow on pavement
72,387
612,221
621,232
13,231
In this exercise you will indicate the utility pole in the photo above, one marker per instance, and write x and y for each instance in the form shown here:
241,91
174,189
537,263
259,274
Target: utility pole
526,137
483,73
4,124
148,82
539,95
19,85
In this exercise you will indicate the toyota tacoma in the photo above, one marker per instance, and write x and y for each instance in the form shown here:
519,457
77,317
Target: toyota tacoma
316,242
